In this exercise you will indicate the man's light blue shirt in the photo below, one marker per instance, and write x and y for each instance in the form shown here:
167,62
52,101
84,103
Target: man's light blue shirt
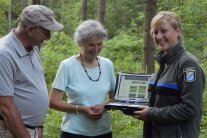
22,77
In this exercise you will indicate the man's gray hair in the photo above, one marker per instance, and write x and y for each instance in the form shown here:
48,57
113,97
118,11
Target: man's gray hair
88,29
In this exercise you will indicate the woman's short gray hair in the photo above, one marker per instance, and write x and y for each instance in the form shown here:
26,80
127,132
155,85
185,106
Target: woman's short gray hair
87,30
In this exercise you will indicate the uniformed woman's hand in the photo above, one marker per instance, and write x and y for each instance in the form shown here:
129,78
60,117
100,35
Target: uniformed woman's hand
142,113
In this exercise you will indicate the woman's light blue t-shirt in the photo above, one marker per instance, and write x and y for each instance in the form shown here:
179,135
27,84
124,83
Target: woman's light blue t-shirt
72,79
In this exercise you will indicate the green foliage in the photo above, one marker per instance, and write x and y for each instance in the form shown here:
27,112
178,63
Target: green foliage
203,126
92,9
125,51
52,126
124,126
59,47
121,14
69,15
195,26
3,19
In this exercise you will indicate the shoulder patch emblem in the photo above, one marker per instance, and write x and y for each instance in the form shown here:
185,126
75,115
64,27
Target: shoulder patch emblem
189,74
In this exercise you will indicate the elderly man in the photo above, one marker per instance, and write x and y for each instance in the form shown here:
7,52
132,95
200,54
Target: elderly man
23,91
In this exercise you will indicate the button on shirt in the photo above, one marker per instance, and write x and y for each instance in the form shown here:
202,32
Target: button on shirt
22,76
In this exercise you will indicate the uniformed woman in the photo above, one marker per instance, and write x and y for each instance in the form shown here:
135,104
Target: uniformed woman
175,93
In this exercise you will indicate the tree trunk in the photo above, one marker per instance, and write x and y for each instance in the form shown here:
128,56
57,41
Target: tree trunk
47,3
9,16
101,11
84,10
35,1
149,48
24,3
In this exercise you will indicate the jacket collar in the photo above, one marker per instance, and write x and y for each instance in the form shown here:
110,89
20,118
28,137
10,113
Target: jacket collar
172,55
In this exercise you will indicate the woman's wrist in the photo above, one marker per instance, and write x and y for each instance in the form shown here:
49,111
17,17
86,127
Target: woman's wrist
76,109
80,108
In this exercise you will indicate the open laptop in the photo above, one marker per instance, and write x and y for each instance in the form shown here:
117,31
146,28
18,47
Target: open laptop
131,91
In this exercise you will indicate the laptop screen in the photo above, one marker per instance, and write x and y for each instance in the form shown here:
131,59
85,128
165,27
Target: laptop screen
132,87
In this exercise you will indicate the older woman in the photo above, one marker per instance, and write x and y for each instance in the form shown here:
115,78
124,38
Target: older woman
87,79
175,104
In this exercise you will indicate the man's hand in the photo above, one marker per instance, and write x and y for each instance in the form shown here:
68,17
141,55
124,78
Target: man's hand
12,117
40,132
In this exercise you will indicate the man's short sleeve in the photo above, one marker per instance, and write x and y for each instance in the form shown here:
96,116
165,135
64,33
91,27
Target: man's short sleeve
6,77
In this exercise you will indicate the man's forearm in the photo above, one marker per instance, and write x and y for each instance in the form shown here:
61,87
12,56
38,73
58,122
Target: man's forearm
12,118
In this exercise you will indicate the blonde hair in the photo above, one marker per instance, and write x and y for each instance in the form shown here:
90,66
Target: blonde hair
172,18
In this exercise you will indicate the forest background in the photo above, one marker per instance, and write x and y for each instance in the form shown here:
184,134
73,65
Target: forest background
125,46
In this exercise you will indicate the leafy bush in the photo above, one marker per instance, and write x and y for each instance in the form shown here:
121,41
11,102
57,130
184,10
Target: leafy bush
58,48
52,124
125,51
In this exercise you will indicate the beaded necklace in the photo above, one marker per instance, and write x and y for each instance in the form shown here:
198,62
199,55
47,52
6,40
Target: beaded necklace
87,71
